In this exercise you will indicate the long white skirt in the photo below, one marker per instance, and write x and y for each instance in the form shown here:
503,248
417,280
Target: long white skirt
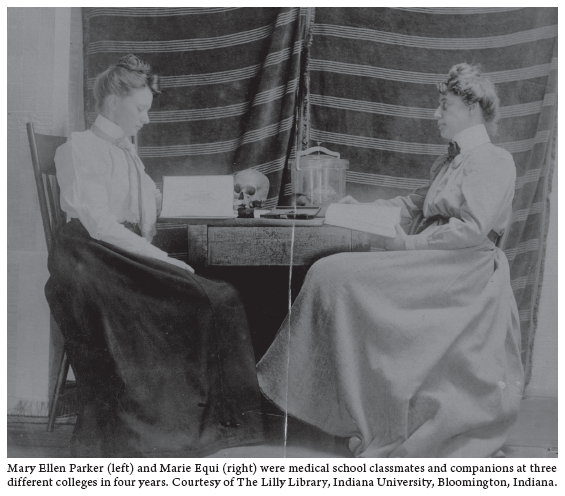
415,352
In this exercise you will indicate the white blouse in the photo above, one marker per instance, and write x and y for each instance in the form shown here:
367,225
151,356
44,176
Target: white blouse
93,176
475,190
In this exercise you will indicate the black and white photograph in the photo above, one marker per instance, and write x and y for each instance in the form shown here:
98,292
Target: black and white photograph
282,232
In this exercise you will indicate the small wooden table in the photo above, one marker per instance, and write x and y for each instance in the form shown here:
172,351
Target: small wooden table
244,242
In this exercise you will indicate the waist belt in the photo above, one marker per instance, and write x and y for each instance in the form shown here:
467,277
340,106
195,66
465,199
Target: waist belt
441,220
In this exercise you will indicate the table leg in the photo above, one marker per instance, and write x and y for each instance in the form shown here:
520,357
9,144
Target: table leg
197,245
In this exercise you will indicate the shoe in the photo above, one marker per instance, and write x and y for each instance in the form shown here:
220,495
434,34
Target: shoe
354,443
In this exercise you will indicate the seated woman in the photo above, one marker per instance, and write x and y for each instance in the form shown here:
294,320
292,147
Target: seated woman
162,357
414,352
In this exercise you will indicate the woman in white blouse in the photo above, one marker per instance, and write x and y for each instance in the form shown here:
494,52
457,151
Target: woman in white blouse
98,185
162,357
415,351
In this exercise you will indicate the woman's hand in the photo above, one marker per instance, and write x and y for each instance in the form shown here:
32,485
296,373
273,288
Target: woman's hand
399,242
181,264
348,199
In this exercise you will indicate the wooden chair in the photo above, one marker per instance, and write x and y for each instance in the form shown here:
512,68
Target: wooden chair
43,149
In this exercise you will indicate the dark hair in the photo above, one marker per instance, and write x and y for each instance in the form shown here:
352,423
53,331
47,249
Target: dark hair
472,86
129,73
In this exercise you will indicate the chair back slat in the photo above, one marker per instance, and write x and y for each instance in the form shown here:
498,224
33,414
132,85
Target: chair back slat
61,216
53,211
43,150
46,148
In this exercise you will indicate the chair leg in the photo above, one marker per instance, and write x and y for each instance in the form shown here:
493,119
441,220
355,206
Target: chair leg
61,380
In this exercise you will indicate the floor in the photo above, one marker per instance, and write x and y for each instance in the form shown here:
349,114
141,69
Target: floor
533,436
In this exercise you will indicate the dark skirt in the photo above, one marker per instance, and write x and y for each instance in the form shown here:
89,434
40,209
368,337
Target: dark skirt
162,358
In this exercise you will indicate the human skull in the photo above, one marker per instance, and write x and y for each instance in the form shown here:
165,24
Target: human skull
249,186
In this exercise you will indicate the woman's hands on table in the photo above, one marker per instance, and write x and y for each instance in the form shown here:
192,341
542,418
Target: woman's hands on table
397,243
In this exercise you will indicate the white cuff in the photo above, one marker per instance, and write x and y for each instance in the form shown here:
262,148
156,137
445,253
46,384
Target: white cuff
416,242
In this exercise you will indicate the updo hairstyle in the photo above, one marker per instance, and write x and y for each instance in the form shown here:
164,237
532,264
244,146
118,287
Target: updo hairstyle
129,73
472,86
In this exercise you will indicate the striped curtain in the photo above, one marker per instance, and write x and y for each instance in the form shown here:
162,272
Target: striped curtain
229,77
373,73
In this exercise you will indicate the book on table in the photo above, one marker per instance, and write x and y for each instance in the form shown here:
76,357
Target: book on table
206,197
371,218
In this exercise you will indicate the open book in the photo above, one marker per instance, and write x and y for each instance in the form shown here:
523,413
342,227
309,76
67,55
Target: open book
369,218
198,196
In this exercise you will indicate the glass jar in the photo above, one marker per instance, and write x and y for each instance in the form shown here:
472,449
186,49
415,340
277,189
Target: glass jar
318,179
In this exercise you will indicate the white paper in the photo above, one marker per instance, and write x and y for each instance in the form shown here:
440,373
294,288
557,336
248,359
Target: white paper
198,196
369,218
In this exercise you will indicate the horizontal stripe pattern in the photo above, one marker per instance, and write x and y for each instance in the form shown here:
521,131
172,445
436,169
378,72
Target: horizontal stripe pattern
371,107
235,110
417,148
411,184
525,315
155,11
398,183
376,143
531,176
195,44
525,247
490,42
549,99
272,166
526,145
203,79
268,96
384,181
459,10
520,110
218,146
521,282
541,70
200,114
287,17
224,77
523,214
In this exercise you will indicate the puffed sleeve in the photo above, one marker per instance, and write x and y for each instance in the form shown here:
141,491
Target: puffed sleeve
412,204
81,164
487,189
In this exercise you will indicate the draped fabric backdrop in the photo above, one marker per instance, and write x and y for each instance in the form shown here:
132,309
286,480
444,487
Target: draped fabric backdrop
230,94
229,77
373,73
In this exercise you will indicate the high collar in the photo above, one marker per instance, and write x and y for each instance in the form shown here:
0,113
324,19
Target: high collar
471,137
111,129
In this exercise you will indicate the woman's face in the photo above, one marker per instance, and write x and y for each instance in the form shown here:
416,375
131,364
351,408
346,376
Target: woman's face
130,111
452,115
